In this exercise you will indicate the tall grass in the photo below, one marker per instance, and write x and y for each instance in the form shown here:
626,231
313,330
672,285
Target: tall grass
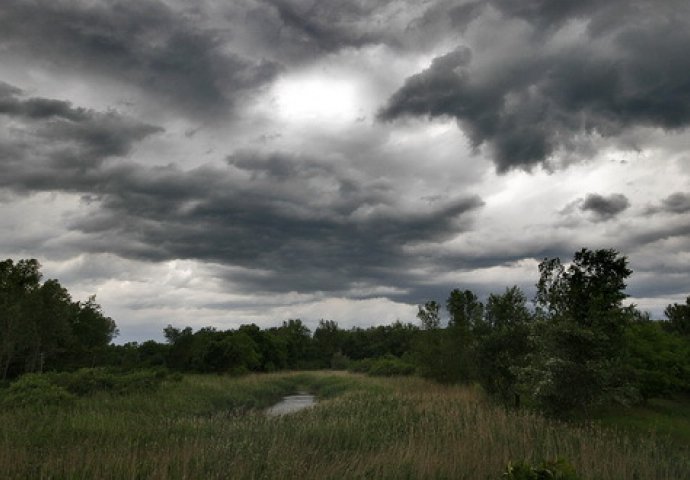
213,427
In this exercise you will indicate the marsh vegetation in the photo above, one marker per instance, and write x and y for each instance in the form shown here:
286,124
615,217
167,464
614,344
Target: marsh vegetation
210,426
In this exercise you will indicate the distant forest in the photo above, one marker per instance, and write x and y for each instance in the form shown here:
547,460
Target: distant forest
579,347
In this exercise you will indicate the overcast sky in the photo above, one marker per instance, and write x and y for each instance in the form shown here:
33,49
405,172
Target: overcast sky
249,161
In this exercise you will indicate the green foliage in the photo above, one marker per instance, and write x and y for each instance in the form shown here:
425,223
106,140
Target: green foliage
449,354
389,366
442,355
504,344
547,470
340,361
33,390
88,381
429,315
465,309
579,359
679,317
41,328
360,366
659,360
328,340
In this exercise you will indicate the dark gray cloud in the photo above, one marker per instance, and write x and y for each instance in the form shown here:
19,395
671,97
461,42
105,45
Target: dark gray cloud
288,234
45,140
678,202
324,26
12,104
168,54
292,222
547,96
605,207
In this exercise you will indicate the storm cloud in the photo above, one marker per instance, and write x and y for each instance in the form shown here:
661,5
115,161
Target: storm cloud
292,220
327,25
44,140
166,53
573,71
678,202
257,160
605,207
294,237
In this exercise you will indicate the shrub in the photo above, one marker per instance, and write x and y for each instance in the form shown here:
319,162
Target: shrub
386,366
87,381
340,361
390,366
34,390
361,366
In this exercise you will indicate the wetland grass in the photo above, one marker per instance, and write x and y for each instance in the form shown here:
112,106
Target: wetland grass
209,427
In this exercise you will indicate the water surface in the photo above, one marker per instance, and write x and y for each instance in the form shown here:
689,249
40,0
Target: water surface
291,404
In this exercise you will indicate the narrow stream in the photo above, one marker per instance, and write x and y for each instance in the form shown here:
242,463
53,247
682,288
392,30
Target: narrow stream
291,404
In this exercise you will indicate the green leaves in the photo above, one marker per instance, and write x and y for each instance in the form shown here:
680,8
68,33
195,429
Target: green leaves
580,343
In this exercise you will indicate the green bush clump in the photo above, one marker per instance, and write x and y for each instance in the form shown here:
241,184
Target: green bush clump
34,390
61,388
340,361
387,366
87,381
548,470
361,366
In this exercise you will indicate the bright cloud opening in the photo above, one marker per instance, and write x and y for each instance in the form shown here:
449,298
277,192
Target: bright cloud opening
316,98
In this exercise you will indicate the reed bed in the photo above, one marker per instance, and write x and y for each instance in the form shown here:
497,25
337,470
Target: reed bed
212,427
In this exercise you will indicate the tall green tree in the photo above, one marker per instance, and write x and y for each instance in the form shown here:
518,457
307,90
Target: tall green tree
679,317
18,283
48,325
504,344
429,315
466,322
41,327
580,338
449,354
659,359
465,309
328,339
297,338
92,331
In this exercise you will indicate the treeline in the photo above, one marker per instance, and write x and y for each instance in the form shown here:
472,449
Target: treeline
42,328
291,346
576,346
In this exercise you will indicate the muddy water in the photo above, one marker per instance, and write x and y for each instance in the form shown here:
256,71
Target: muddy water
291,404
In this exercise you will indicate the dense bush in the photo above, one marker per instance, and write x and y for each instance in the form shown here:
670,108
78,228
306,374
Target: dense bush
386,366
360,366
34,390
87,381
61,388
340,361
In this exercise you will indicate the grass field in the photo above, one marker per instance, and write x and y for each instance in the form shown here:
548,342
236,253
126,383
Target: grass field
210,427
668,417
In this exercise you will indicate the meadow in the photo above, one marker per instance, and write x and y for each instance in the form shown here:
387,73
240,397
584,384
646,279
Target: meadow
212,426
